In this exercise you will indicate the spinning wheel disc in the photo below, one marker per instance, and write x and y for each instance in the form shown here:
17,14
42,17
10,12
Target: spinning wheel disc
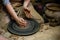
31,28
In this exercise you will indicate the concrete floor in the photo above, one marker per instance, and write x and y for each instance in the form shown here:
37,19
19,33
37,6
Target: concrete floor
46,33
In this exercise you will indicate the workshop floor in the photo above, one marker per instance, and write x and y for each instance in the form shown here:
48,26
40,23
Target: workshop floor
47,33
51,33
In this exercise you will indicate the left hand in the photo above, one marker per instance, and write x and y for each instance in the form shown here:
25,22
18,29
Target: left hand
21,21
27,12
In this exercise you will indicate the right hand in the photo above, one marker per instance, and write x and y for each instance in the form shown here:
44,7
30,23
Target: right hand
27,12
21,22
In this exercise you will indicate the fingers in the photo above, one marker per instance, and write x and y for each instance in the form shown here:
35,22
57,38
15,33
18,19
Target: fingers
26,10
22,22
28,14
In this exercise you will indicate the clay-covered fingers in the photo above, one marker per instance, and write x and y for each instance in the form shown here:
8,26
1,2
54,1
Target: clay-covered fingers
21,22
27,13
26,9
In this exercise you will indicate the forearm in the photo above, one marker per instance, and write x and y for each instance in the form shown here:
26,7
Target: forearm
26,3
11,11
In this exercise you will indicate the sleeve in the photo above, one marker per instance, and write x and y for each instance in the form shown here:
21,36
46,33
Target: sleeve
5,2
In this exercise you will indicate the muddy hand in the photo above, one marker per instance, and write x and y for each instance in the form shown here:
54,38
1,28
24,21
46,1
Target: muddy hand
27,13
21,22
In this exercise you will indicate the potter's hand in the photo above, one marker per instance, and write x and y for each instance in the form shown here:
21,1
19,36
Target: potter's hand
21,22
27,12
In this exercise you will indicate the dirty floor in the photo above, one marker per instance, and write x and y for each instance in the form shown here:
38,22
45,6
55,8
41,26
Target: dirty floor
47,33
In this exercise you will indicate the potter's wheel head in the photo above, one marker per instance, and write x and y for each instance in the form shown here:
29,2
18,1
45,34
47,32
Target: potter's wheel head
31,28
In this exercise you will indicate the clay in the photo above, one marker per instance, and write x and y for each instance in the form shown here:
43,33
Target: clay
52,12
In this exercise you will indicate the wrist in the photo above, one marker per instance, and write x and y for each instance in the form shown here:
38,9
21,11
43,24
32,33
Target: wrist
16,18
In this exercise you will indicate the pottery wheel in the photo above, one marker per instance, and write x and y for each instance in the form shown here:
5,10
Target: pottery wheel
31,28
